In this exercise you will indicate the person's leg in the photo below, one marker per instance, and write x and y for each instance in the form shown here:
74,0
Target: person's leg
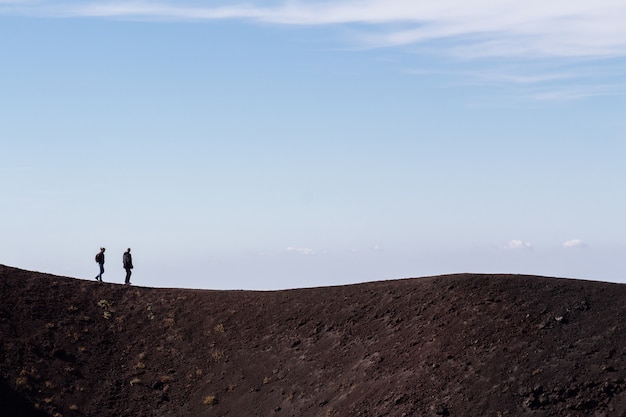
128,273
99,276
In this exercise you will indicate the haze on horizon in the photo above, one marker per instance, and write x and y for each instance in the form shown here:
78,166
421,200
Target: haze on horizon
280,144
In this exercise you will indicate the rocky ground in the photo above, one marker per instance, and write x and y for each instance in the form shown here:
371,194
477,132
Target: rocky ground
458,345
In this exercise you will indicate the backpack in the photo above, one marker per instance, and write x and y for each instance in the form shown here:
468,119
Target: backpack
98,257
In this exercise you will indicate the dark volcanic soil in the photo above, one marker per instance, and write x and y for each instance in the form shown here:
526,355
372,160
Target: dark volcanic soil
458,345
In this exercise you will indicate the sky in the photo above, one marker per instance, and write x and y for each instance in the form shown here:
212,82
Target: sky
273,144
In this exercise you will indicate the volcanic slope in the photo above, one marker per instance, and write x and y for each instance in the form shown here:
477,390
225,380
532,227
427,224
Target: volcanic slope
457,345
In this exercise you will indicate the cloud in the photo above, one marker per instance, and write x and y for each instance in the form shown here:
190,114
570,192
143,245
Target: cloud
518,244
580,92
301,251
482,34
481,28
574,243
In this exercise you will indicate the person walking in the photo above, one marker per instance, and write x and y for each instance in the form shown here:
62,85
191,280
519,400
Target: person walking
127,260
100,261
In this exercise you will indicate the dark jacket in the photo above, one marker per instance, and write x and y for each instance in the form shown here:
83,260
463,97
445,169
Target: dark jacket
100,258
128,260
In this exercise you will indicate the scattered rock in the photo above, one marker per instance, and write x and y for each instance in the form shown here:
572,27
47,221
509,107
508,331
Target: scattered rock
458,345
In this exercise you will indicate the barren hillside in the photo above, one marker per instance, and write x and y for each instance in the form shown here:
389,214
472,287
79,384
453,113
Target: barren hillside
458,345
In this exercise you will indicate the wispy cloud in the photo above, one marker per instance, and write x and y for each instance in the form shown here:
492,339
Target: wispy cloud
518,244
574,243
481,28
491,32
579,92
301,251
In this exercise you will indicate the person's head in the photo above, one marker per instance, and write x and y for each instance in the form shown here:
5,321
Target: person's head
128,250
102,249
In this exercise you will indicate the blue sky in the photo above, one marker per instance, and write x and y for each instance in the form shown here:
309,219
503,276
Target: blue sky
270,144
